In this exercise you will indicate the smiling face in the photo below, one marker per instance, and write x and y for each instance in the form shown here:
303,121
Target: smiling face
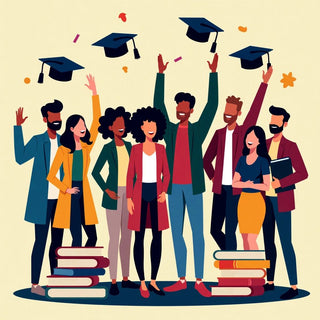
183,111
231,113
118,127
276,124
53,120
149,128
79,130
252,141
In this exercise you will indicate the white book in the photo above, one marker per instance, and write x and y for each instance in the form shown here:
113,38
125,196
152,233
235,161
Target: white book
79,251
242,273
76,292
230,291
239,255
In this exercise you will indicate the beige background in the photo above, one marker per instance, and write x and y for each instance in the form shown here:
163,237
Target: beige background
33,29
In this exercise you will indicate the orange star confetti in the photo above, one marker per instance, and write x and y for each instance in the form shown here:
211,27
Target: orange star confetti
287,80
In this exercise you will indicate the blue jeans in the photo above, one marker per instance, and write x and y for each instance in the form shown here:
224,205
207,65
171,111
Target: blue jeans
182,196
283,220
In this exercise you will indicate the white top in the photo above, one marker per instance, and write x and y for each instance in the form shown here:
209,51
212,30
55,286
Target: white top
227,159
149,168
53,192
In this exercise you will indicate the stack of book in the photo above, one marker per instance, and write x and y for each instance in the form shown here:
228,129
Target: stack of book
242,273
77,273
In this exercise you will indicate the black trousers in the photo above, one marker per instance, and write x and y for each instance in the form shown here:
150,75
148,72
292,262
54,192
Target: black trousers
77,220
224,209
41,234
149,198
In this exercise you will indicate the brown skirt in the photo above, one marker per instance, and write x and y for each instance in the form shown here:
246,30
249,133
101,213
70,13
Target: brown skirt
251,212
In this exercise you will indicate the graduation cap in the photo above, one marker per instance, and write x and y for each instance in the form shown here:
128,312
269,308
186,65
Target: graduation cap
115,45
199,30
61,68
251,57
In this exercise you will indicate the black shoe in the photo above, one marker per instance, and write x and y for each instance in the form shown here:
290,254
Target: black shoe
129,284
268,287
114,290
153,289
291,293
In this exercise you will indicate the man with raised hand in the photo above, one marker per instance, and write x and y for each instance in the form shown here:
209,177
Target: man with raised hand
184,151
43,196
226,147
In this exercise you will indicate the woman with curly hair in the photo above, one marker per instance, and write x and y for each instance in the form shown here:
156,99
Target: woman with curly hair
115,124
252,174
75,205
146,197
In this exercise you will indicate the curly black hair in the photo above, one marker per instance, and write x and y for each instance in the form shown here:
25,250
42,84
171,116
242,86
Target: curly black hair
110,115
56,106
185,96
148,114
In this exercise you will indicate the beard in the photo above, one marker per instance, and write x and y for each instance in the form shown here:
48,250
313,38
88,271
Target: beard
55,125
229,120
274,129
184,117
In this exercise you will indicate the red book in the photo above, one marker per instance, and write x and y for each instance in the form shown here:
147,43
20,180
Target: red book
81,262
63,281
240,282
242,264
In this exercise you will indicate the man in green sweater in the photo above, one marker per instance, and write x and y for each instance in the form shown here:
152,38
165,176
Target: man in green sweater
184,151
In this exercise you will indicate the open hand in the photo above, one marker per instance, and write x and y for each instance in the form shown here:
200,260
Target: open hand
130,205
267,75
161,66
91,84
19,117
214,64
112,194
162,197
275,183
73,190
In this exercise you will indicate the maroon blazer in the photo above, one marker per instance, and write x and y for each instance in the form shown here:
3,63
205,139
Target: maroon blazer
134,191
289,149
217,144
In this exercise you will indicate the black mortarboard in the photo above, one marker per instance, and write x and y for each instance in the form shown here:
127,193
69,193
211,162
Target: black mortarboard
115,45
199,30
251,57
61,68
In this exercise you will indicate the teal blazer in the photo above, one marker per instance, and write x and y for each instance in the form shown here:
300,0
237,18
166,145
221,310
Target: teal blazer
38,149
197,131
109,154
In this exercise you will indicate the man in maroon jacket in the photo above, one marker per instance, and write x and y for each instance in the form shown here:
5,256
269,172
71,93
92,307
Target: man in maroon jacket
226,146
279,205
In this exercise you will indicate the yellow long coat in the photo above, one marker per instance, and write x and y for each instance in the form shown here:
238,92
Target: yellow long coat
64,157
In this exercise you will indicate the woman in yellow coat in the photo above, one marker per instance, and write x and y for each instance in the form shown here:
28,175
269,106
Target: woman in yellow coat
75,205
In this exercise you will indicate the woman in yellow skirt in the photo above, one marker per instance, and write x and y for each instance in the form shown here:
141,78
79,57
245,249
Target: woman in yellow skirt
252,175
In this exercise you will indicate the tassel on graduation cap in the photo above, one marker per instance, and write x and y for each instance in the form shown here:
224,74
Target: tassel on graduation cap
115,45
199,30
61,68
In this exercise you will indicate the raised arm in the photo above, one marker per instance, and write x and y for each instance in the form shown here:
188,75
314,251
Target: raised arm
209,111
158,98
253,114
23,153
96,110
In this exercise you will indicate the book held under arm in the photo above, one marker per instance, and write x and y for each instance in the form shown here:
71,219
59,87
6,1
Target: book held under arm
281,168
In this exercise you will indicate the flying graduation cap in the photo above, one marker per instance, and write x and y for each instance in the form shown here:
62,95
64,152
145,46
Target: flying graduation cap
61,68
199,30
115,45
251,57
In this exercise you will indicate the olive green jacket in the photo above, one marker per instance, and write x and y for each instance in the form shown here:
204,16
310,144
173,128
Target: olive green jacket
109,154
197,131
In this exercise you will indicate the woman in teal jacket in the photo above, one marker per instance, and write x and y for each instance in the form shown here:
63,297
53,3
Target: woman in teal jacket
115,124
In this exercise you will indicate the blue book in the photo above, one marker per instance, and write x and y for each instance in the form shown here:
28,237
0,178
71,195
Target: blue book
78,272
